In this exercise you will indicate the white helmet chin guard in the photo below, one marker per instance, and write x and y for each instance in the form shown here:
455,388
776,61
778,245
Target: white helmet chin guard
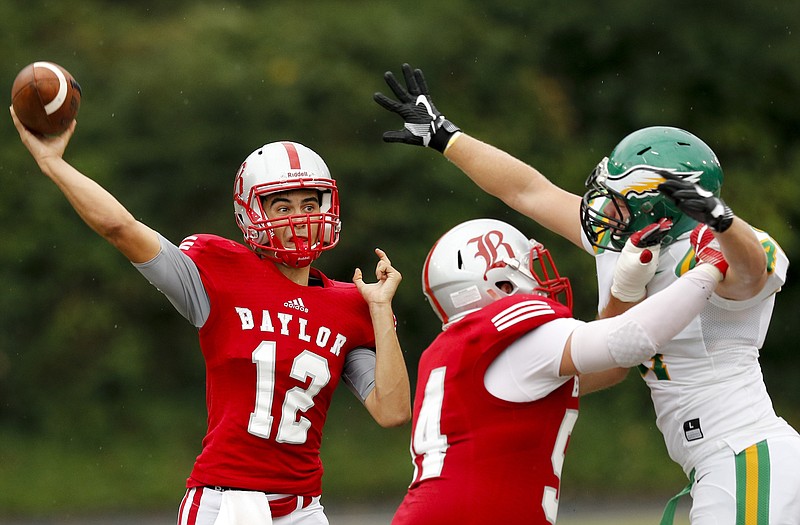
279,167
483,260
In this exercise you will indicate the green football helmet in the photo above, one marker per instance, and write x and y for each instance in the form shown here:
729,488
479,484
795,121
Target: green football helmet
623,196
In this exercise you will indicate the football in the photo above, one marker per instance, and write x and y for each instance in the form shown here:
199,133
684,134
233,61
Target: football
45,97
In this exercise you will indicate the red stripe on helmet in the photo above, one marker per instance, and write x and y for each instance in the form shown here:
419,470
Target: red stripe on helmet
294,157
427,286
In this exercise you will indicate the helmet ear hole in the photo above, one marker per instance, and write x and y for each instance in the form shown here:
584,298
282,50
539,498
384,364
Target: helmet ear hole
506,287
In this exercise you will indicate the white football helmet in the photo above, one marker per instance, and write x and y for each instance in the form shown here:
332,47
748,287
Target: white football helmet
278,167
483,260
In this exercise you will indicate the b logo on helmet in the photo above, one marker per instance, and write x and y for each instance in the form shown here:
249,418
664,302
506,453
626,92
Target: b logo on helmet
489,246
238,183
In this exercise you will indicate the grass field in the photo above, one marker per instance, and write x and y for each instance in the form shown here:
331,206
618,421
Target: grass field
616,514
583,514
619,515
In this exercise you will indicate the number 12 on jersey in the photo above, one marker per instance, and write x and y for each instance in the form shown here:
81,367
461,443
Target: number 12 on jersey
291,428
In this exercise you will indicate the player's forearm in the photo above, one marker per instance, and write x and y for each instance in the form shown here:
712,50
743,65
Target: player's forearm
746,259
594,381
615,307
390,401
639,333
519,185
102,212
493,170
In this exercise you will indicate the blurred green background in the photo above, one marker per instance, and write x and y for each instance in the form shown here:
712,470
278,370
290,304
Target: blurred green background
101,381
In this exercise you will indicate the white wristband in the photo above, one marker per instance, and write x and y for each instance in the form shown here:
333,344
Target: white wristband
711,270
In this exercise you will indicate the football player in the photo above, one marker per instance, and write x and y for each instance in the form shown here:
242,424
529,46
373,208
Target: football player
709,395
276,334
497,391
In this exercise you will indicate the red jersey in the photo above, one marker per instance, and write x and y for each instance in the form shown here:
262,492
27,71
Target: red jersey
479,459
274,353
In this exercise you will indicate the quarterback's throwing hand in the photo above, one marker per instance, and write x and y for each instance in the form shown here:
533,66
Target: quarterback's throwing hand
424,125
381,292
43,147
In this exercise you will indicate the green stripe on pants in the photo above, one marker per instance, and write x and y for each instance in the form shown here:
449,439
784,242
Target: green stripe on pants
752,485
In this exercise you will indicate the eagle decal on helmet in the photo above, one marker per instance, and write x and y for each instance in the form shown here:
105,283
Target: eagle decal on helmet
622,195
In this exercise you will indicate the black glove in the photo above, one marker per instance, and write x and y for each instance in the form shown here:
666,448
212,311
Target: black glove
696,202
424,125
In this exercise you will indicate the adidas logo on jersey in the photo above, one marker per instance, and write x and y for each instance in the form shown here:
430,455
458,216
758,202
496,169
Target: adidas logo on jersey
296,304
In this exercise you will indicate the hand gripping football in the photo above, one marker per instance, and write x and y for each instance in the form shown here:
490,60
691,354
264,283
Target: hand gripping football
46,98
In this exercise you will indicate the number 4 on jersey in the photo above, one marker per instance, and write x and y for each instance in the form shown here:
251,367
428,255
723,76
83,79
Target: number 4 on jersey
429,444
428,440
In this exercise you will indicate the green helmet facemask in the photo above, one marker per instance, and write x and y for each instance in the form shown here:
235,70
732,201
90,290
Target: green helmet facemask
623,194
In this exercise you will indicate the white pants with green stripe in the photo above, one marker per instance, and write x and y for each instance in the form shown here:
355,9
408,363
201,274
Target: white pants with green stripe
759,486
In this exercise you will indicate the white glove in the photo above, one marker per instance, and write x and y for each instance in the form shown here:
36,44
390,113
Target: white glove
638,262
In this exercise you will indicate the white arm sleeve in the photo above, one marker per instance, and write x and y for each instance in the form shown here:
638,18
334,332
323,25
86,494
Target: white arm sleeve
636,335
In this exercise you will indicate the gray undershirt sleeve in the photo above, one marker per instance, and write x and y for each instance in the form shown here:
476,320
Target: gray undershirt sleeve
359,372
175,275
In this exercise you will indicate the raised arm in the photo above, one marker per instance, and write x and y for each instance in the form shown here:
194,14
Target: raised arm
97,207
747,261
516,183
732,236
389,402
519,185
